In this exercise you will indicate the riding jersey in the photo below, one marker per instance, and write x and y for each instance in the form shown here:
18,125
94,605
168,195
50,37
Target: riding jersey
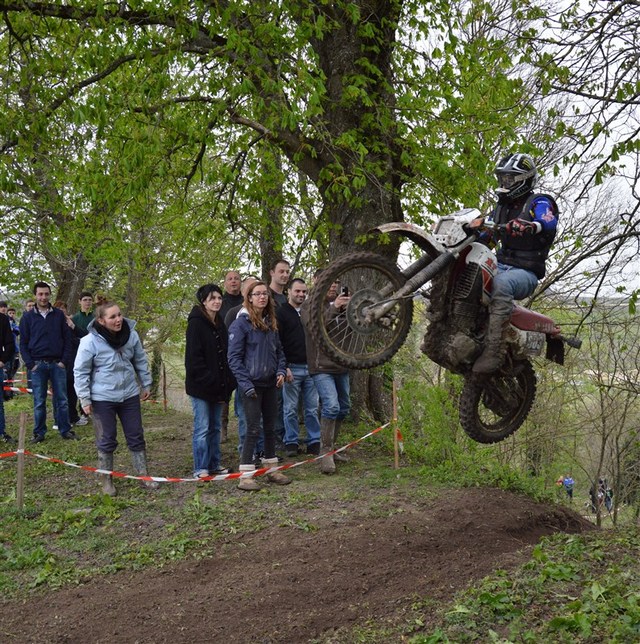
527,251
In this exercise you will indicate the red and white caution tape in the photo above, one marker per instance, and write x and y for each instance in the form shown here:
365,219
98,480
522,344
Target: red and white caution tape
217,477
22,390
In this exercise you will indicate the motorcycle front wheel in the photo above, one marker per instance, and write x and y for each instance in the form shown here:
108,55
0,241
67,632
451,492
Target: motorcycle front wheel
494,406
352,338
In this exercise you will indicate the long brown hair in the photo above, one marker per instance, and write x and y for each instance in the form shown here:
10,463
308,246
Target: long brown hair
265,321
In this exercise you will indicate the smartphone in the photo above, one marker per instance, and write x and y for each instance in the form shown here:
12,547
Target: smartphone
344,290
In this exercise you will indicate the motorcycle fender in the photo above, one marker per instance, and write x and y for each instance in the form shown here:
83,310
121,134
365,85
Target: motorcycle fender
486,260
417,235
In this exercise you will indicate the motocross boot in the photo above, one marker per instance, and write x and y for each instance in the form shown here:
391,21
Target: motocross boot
495,347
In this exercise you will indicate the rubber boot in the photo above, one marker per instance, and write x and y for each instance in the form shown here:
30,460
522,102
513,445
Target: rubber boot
275,477
339,457
140,466
105,462
248,484
327,430
495,347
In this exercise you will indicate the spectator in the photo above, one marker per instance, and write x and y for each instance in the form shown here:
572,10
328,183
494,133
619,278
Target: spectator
279,272
77,333
47,350
7,349
209,382
231,298
568,484
331,380
258,363
237,398
109,363
608,498
28,306
298,379
15,329
82,318
232,295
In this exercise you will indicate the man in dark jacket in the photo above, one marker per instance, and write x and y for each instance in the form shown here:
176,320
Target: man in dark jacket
298,380
331,380
7,350
46,347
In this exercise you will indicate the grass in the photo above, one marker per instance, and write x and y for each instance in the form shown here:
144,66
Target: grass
582,588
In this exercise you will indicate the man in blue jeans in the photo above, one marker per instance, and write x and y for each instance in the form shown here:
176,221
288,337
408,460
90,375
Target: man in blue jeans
298,380
331,380
46,347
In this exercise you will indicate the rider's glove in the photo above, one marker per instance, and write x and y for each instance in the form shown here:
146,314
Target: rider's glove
251,393
520,228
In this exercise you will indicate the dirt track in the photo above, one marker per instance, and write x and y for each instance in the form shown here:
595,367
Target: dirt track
288,585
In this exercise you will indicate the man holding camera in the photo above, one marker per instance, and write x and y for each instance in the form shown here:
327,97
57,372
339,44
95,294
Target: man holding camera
331,380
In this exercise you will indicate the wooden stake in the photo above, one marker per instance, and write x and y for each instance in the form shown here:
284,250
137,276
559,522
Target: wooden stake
20,469
396,453
164,387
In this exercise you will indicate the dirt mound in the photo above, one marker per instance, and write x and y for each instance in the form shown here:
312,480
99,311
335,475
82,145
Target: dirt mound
287,585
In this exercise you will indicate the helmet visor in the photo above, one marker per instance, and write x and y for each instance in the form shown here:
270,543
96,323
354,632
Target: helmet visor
507,181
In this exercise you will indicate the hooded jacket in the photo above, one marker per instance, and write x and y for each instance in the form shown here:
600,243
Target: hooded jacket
256,357
208,376
106,374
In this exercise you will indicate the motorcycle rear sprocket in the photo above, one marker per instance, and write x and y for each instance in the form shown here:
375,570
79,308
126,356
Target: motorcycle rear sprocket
352,341
495,406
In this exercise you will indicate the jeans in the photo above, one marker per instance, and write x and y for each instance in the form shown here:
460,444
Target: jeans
302,382
3,426
279,430
264,407
72,399
43,372
510,284
238,408
104,423
333,390
207,423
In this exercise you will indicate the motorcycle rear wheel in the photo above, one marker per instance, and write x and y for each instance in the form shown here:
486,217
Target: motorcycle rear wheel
494,407
351,340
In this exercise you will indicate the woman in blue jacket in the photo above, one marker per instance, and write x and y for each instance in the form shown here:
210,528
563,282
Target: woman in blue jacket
110,371
258,364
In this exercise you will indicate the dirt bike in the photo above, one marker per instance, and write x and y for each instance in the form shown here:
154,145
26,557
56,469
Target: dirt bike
460,270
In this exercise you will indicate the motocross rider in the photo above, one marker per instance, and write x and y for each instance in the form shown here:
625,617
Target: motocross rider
531,220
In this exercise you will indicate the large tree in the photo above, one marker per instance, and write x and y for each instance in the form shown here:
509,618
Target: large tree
108,103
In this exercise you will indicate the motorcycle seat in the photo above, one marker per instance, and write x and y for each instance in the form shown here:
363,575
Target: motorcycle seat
528,320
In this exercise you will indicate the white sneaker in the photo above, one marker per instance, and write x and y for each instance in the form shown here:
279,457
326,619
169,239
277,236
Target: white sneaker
83,421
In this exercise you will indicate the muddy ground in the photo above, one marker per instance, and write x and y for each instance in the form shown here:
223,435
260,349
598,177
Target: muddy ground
353,566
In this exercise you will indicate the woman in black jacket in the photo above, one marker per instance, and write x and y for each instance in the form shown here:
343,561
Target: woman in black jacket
209,382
